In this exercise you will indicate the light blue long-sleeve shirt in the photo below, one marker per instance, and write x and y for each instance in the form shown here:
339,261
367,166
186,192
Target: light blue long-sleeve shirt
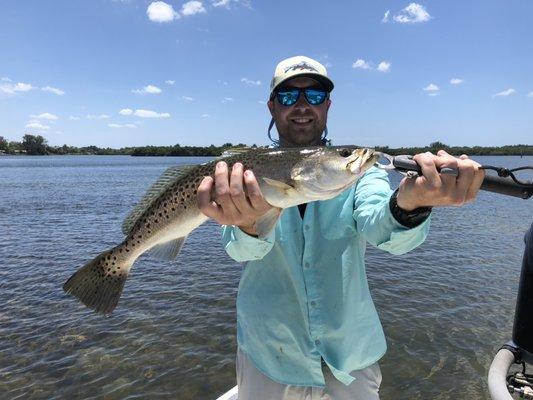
304,294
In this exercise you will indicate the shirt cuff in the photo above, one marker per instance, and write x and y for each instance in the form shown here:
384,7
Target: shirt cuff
246,240
403,239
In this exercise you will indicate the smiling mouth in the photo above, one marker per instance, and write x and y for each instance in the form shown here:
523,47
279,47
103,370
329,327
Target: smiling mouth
301,120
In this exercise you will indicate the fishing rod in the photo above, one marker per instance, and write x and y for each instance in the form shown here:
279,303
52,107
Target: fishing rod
519,350
505,183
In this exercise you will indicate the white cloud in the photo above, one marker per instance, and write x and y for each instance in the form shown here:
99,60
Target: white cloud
101,116
126,111
456,81
384,66
150,114
53,90
227,99
227,3
122,125
530,94
431,88
187,98
250,82
46,115
261,102
73,118
205,115
386,16
359,63
149,89
9,88
5,79
170,82
412,14
159,11
433,94
192,7
505,93
36,125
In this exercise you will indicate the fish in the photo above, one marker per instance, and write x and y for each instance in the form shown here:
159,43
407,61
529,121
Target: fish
168,213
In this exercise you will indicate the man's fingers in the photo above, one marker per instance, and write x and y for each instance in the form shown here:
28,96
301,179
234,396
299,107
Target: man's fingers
429,170
477,180
237,192
449,181
222,189
464,181
254,192
203,199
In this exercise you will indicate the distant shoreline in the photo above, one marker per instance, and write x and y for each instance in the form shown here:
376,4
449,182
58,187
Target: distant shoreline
390,151
37,145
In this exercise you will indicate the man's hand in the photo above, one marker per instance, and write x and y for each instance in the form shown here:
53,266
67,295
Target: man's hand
434,189
231,205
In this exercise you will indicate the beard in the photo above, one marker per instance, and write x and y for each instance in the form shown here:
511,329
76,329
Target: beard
299,135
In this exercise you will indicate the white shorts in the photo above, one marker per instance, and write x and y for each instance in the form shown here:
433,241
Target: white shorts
254,385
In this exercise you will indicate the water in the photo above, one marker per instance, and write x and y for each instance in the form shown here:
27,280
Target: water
446,307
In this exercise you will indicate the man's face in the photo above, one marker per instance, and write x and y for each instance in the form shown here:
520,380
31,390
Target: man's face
301,124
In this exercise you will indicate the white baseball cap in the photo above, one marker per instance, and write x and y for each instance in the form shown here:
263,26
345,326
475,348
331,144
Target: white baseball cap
300,66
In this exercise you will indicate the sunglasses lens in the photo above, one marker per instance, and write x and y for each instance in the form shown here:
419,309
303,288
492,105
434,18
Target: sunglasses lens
315,97
289,97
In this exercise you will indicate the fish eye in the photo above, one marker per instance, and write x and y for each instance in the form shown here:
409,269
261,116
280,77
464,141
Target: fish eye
345,153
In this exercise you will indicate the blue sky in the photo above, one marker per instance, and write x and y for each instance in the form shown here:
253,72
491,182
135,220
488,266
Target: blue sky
131,72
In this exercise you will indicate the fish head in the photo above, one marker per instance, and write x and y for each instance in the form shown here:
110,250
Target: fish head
328,171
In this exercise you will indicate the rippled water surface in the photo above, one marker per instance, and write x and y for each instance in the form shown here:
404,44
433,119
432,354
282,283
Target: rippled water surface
446,307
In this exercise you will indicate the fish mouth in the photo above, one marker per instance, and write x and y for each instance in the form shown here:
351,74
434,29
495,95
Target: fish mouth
360,160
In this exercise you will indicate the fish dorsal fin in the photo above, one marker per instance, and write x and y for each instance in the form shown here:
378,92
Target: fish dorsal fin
168,250
162,183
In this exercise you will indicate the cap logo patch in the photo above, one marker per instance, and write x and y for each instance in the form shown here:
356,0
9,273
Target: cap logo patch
302,65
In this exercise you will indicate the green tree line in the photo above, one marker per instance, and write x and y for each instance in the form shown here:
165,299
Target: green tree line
37,145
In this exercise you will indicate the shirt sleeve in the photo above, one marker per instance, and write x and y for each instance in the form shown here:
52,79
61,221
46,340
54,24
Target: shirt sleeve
374,220
242,247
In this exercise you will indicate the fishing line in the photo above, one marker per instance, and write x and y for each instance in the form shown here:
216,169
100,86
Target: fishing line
506,172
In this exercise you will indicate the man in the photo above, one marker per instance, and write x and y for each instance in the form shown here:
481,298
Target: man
306,324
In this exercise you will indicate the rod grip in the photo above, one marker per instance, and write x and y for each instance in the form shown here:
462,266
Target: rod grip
505,186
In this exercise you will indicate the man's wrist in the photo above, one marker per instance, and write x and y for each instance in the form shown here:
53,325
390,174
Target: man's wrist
408,218
249,230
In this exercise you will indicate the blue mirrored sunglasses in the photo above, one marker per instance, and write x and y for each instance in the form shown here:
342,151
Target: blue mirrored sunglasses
289,97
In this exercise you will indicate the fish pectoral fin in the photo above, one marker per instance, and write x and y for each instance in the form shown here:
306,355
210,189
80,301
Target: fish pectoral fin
169,250
281,186
267,222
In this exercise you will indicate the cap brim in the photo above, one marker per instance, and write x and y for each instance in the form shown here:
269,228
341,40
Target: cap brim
323,80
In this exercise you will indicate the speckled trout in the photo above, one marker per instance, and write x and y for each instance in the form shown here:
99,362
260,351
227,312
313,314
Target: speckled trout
162,220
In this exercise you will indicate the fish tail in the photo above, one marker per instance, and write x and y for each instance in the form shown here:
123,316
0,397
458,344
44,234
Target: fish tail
98,284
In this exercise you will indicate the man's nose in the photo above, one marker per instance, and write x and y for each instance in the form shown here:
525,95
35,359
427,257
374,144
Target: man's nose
302,103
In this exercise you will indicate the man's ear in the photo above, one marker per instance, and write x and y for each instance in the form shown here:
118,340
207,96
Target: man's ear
328,103
270,105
